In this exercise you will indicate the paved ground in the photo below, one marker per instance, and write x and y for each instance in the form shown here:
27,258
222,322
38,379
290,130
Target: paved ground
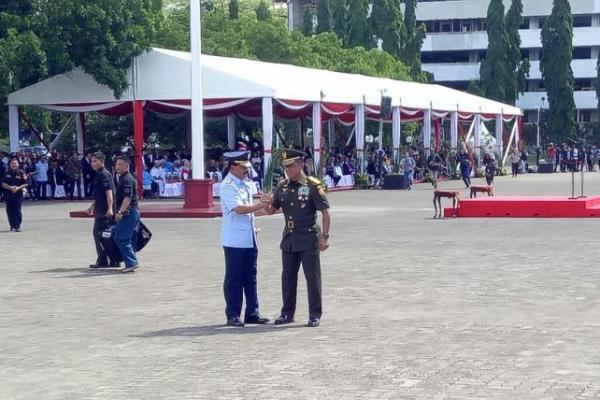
414,309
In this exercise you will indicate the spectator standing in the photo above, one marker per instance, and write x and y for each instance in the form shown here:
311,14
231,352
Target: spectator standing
14,184
128,214
73,171
407,166
42,178
102,208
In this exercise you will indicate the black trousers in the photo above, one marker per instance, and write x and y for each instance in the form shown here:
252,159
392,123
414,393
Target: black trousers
100,224
88,186
240,280
41,189
13,211
311,264
72,185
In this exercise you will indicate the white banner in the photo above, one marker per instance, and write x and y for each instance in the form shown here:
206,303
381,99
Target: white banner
499,131
359,121
267,128
317,127
427,132
396,130
454,130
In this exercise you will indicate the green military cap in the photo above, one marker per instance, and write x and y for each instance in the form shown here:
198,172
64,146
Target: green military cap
288,156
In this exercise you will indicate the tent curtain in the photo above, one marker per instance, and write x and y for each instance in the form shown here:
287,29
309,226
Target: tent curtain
317,126
13,128
267,128
231,132
396,130
454,130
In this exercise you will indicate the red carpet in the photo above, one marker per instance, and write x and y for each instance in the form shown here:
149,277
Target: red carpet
157,210
528,207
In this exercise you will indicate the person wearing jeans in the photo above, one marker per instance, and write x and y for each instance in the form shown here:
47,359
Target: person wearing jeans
407,165
127,216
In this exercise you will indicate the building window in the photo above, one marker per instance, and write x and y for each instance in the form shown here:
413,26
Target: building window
584,84
584,116
580,21
439,57
582,53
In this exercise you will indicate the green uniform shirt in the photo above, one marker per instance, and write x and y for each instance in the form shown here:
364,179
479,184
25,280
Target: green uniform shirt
300,202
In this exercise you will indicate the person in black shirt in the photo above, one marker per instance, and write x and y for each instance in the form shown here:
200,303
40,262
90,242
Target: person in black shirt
128,214
14,183
102,208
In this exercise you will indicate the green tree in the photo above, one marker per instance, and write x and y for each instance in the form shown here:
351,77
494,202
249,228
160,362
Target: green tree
517,65
323,16
387,24
308,21
41,38
415,35
234,9
475,88
263,12
494,72
557,53
358,24
339,12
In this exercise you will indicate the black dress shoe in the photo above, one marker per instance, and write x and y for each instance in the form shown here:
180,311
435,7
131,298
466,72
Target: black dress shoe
237,322
313,322
98,266
284,319
256,319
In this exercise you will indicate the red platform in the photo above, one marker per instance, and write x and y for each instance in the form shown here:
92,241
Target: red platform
528,207
157,210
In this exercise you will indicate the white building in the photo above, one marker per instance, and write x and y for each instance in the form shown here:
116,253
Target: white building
456,42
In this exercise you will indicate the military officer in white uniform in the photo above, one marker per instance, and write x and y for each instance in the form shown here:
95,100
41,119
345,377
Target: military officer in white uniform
238,238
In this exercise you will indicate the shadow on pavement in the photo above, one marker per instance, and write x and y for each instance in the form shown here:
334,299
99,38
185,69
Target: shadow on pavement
211,330
58,270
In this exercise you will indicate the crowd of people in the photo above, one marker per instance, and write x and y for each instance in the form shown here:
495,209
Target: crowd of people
573,157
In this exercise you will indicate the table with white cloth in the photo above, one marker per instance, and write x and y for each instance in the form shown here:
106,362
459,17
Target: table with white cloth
173,189
345,181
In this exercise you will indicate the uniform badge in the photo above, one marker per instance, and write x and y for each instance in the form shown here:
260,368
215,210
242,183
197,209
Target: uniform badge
303,191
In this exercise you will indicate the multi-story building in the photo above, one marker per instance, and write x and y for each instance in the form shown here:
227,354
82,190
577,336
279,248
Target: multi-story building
456,42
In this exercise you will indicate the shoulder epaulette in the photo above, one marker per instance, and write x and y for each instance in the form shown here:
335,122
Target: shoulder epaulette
314,181
282,183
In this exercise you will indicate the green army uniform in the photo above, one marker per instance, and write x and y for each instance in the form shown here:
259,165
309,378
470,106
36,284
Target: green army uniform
300,202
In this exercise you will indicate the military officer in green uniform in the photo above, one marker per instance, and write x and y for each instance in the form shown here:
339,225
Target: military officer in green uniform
300,197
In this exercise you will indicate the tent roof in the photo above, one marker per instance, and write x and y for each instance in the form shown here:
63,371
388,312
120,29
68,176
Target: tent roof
161,74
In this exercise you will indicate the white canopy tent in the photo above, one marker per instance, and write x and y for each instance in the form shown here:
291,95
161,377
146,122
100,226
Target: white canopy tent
160,82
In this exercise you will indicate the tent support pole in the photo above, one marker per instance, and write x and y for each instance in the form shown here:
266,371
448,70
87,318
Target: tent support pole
80,125
138,139
13,123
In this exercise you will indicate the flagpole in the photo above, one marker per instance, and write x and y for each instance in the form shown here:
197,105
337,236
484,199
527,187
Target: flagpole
196,87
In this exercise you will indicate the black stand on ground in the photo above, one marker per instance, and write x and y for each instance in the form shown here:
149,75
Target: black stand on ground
572,166
582,196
